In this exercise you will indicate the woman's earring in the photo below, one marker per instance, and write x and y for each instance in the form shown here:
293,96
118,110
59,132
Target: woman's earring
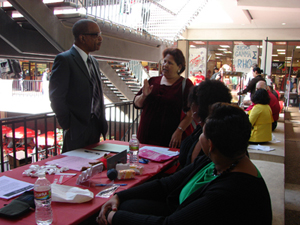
178,71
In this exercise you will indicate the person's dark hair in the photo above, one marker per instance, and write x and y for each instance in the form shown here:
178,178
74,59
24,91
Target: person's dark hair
254,65
177,55
260,96
229,129
81,27
271,87
207,93
257,69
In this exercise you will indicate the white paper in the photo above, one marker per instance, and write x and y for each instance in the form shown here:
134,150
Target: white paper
164,151
10,187
264,148
72,162
85,153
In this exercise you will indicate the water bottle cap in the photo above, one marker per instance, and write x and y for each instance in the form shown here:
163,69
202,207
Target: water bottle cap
41,174
133,135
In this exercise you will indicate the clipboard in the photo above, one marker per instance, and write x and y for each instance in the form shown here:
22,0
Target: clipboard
118,158
107,147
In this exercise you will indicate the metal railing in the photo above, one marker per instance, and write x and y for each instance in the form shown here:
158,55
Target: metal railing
138,70
34,87
38,142
164,19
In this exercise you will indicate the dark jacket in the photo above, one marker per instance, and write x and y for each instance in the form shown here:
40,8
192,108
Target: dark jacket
235,198
70,91
252,85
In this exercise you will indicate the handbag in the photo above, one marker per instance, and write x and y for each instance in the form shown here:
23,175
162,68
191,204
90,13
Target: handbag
189,130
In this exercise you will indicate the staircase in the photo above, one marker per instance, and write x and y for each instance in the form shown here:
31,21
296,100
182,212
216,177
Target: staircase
119,82
124,72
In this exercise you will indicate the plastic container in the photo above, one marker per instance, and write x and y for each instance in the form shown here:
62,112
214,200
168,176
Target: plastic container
134,146
42,199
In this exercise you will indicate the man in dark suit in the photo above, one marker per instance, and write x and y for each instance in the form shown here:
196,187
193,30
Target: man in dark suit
75,89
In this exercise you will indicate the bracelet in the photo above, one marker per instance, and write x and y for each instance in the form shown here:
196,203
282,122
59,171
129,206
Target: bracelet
180,128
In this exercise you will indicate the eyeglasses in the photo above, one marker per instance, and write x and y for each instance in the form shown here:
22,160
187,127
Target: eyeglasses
93,34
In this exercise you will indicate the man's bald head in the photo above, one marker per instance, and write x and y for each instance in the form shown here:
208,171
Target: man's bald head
261,85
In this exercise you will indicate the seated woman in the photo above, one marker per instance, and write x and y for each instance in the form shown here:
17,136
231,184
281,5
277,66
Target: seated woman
200,98
222,185
261,117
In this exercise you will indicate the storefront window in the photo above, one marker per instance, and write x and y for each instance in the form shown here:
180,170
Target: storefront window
25,70
219,55
279,70
293,54
40,68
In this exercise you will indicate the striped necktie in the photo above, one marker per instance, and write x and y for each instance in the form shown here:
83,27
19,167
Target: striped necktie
97,95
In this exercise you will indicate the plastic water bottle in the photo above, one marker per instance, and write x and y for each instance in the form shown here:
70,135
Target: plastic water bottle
134,147
42,199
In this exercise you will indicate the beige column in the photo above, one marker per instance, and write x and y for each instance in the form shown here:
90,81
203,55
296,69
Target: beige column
183,45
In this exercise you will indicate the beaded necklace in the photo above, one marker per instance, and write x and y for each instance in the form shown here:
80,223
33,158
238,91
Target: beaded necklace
231,167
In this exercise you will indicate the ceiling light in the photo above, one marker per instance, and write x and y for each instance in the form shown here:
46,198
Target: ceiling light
248,14
280,43
192,46
228,52
276,60
218,54
297,46
52,1
199,42
274,55
224,46
222,49
281,53
280,50
288,58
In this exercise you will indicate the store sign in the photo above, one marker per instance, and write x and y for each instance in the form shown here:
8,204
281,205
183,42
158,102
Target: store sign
278,65
244,57
4,66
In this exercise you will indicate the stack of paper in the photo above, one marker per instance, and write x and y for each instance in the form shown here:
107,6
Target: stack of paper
10,187
72,162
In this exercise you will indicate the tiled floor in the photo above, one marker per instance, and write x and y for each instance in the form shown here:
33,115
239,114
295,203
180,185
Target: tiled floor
292,166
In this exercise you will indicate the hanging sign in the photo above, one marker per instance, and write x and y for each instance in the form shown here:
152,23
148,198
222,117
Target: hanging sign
244,57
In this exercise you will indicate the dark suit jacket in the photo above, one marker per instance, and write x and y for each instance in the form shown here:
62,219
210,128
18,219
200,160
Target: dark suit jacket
252,85
71,94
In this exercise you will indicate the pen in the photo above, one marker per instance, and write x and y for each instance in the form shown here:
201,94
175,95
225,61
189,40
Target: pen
103,185
92,152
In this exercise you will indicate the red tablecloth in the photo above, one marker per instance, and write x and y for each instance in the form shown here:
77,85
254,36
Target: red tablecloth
69,213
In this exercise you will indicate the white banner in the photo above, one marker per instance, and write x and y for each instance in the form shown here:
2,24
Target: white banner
244,57
197,61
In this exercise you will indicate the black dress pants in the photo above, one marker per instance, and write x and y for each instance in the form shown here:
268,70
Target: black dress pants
91,135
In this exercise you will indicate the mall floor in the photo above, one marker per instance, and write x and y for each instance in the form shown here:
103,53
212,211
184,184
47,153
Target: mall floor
292,166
